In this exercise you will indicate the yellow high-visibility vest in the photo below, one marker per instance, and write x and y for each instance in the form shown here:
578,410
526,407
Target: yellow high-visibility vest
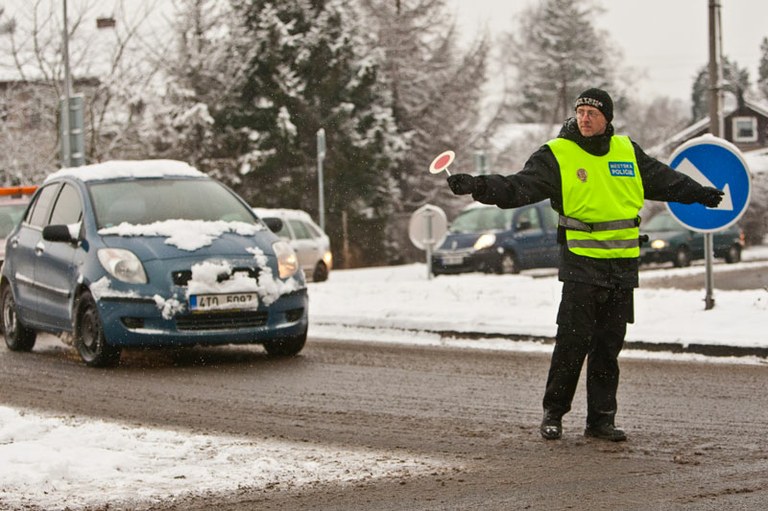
602,196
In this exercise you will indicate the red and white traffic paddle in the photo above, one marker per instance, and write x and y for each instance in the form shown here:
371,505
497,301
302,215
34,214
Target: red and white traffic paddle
441,162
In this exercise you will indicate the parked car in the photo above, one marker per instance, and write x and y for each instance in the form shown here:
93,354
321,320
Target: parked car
489,239
13,202
671,241
312,245
148,254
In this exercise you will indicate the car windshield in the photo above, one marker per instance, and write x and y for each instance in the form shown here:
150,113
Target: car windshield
480,219
145,201
10,215
662,222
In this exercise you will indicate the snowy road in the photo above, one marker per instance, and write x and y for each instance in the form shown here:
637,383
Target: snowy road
369,426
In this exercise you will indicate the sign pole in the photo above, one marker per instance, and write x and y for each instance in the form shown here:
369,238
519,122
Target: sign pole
714,129
320,190
429,241
709,299
426,229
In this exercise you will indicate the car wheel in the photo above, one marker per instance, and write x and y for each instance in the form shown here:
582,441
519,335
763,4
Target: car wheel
89,335
17,336
286,346
733,255
508,264
321,273
682,258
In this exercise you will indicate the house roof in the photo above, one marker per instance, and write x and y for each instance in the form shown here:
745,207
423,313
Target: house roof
703,125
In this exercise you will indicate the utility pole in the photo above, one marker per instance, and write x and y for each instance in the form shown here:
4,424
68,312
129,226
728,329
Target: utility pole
66,150
72,125
715,126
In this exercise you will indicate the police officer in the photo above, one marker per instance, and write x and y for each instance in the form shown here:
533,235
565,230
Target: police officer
597,182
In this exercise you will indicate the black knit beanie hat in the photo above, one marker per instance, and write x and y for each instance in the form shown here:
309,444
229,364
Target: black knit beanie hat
599,99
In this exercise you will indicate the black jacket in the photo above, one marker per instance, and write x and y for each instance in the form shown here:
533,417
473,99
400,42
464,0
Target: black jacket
540,179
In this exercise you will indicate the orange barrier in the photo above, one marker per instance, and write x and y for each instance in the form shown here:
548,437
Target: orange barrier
17,190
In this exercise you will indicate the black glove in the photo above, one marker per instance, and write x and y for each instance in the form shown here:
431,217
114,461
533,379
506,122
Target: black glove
710,197
462,184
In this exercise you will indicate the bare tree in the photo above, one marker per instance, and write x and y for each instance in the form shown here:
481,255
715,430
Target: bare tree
111,66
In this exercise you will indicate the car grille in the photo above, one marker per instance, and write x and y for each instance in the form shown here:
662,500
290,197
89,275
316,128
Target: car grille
182,277
222,320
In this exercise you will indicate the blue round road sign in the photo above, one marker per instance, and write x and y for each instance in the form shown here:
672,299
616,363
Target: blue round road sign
712,161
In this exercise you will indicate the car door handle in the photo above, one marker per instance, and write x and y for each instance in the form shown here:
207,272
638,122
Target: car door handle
39,248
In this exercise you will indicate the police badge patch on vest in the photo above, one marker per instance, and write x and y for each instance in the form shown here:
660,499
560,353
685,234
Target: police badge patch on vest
582,175
621,168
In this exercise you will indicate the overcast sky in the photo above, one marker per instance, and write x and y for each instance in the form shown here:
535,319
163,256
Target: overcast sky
667,39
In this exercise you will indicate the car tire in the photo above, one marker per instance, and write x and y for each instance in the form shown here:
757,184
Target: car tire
17,336
321,272
682,258
89,335
286,346
733,255
508,264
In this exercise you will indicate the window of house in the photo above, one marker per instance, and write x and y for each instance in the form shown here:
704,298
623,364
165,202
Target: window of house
744,129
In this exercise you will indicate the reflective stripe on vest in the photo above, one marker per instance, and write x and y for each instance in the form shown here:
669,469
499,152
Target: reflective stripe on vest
602,196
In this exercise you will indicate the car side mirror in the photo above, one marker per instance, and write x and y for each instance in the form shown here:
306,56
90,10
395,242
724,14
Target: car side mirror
57,233
274,224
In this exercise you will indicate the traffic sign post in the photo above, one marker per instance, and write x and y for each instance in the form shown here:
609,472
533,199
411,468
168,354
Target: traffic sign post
712,161
320,191
427,229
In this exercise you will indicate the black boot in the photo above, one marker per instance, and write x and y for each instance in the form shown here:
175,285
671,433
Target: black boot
551,427
606,432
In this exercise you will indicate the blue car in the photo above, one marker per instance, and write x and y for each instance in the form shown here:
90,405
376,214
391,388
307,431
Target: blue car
148,254
488,239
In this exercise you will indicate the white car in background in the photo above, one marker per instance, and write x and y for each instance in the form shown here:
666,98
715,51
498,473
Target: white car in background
311,244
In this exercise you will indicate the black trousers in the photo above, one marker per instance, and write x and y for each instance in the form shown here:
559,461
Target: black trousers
592,323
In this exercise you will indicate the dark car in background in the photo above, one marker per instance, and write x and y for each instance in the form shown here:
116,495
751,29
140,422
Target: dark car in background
670,241
489,239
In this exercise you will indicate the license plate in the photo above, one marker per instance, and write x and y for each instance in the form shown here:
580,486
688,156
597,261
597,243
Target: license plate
224,301
456,259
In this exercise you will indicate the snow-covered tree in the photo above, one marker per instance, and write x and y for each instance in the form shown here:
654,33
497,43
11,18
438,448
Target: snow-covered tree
762,71
107,66
555,53
437,89
735,81
200,73
275,74
657,120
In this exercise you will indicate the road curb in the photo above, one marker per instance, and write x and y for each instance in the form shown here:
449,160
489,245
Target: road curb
709,350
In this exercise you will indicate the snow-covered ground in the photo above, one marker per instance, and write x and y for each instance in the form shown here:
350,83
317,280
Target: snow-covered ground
380,303
62,462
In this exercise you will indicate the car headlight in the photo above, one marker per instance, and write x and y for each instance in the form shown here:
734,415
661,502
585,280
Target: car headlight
287,263
328,259
123,265
658,244
485,241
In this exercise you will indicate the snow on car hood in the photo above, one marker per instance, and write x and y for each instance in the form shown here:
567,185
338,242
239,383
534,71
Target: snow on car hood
189,235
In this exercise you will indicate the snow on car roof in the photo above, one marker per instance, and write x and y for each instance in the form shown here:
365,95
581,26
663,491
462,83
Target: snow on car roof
282,212
127,169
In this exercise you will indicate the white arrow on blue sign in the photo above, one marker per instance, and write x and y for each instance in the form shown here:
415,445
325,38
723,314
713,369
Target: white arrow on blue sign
712,161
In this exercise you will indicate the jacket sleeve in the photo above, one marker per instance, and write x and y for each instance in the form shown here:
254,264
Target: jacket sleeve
663,183
539,180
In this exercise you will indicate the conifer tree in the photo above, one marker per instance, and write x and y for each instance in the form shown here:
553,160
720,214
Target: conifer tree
278,73
762,72
556,52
